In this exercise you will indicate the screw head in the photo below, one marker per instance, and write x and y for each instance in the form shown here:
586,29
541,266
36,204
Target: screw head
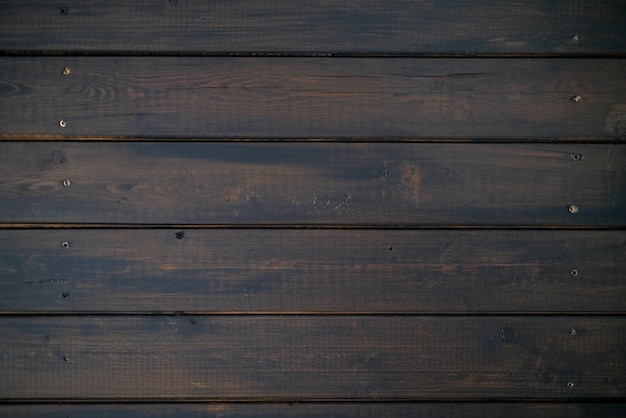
576,98
572,332
67,71
65,244
570,385
575,38
572,209
576,157
62,123
66,358
574,273
67,182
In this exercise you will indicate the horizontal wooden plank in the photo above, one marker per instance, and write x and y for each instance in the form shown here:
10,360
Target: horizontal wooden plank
312,183
288,26
317,409
209,97
312,357
312,271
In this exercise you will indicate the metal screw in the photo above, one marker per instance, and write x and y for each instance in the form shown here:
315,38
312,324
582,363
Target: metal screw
572,332
576,157
67,182
572,209
62,123
570,385
575,38
66,358
65,244
574,273
67,71
62,11
576,98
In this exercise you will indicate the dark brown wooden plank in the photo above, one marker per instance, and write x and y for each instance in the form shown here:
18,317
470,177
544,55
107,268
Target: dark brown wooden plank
317,409
288,26
209,97
312,271
312,357
312,183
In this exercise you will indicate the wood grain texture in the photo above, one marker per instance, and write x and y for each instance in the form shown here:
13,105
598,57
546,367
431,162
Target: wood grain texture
312,357
244,208
311,98
322,410
312,271
312,183
287,26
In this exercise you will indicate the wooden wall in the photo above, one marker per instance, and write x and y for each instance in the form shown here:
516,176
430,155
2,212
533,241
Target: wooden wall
313,208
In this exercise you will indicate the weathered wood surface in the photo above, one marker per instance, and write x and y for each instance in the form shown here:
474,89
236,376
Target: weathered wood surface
309,98
418,209
287,26
312,271
312,183
321,410
312,357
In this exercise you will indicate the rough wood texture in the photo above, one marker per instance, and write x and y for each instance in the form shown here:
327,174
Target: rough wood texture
312,357
204,97
312,271
322,410
312,183
287,26
403,208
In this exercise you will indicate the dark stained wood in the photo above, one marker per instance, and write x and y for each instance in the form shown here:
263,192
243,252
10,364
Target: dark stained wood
312,183
312,357
387,208
312,271
309,98
287,26
322,410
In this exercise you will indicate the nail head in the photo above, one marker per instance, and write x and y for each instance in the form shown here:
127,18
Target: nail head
62,123
66,71
576,157
65,244
507,335
67,182
66,358
576,98
572,209
575,38
570,385
574,273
